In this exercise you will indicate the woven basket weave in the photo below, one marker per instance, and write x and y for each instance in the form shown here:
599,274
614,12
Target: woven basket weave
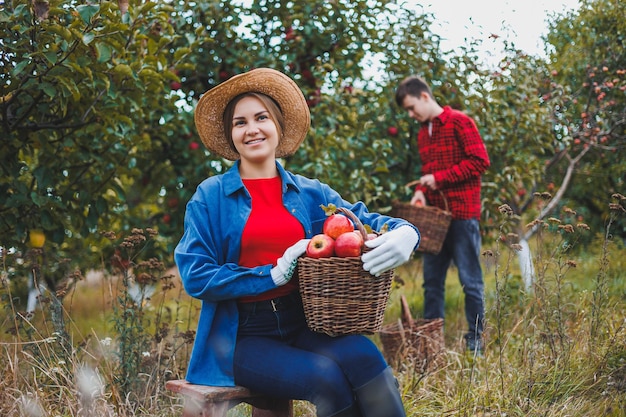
339,296
432,222
414,344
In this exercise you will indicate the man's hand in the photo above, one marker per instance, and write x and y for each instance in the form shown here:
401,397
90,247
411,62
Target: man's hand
428,180
418,199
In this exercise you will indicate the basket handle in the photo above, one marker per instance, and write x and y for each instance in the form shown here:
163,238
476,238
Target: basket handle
414,182
406,312
401,331
355,220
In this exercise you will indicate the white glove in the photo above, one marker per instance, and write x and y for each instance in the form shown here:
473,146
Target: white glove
389,250
282,272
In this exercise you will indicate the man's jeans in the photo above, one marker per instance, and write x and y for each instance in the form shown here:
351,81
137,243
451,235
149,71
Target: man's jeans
462,245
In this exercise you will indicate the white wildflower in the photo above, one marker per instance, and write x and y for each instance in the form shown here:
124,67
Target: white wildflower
89,384
31,407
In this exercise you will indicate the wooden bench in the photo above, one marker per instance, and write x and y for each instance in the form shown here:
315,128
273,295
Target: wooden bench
209,401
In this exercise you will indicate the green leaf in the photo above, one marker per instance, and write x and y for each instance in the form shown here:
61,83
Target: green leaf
47,220
51,57
43,176
71,87
20,67
103,52
38,200
87,12
49,89
88,37
92,217
101,205
123,70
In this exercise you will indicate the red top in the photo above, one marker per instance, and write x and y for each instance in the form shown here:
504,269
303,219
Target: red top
269,231
456,155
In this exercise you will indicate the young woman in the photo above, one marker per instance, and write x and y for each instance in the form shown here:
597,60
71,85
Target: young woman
244,231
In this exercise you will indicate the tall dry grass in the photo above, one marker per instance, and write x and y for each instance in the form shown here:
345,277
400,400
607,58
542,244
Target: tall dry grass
557,348
104,343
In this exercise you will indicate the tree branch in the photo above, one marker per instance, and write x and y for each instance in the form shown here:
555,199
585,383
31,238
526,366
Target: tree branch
559,194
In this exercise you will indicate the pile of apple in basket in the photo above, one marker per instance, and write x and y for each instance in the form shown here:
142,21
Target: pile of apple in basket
339,237
338,295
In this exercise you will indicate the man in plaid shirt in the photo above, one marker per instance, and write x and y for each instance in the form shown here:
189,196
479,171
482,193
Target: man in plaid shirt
453,159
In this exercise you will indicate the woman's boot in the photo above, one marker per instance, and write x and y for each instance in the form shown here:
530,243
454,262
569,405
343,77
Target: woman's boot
352,411
380,397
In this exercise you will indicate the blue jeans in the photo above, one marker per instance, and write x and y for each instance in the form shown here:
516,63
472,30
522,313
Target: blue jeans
461,245
276,354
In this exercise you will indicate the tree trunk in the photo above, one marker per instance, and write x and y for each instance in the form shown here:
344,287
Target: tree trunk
525,256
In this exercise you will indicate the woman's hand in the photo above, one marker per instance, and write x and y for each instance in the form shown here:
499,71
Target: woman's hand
389,250
285,265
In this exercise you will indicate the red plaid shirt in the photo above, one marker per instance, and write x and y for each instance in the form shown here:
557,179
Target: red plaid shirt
456,155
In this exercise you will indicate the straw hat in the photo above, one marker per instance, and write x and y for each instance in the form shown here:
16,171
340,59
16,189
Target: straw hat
211,106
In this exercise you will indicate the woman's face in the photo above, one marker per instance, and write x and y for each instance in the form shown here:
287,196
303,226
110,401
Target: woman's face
254,133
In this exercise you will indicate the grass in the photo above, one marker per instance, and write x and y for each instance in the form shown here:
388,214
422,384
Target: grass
556,349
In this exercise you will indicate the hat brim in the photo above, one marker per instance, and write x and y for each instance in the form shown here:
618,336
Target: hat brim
210,109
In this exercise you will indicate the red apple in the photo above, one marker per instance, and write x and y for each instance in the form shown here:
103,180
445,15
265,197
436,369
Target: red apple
307,74
320,246
392,130
349,244
289,34
172,202
337,224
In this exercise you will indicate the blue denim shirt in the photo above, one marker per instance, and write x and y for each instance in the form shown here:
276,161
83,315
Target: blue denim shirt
208,253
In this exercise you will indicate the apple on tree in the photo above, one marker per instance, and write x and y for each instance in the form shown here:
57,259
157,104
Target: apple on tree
320,246
36,238
349,244
392,131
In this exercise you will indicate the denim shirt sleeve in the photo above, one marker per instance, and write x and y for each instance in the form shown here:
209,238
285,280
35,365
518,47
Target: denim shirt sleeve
208,253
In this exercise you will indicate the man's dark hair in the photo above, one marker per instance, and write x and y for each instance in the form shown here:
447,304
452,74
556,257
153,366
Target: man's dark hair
412,86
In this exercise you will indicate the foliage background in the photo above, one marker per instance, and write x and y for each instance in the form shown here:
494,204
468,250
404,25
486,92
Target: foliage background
97,135
97,108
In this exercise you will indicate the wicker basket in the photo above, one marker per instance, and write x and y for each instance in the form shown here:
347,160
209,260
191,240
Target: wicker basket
432,222
339,296
414,344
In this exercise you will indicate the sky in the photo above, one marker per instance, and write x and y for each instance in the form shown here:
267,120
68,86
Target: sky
519,21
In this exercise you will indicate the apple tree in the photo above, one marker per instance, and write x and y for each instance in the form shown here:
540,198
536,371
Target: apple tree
97,107
586,93
84,88
97,101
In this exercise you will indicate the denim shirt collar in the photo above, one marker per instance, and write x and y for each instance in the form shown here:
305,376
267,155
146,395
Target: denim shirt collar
232,179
